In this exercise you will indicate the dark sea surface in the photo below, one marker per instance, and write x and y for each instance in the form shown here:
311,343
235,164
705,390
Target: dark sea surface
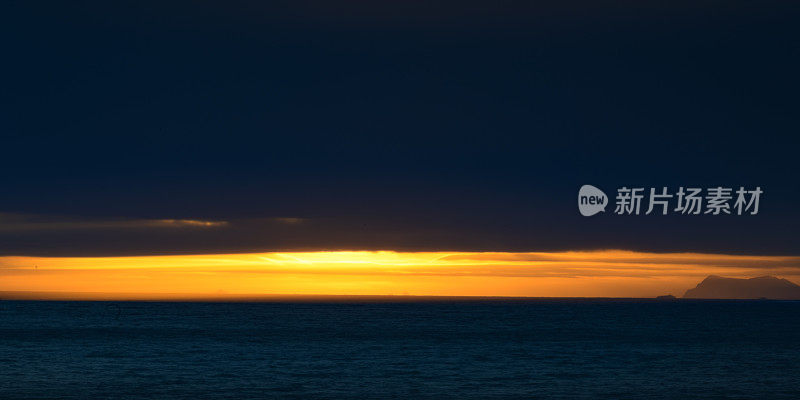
542,348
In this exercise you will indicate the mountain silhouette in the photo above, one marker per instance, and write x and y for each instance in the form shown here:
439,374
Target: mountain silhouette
763,287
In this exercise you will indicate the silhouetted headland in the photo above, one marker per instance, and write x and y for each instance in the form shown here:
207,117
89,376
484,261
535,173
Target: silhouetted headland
763,287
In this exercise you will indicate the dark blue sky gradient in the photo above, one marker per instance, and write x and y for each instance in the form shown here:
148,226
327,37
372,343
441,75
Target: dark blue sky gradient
396,125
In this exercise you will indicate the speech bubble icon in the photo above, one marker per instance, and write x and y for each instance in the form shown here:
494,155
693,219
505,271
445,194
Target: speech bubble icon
591,200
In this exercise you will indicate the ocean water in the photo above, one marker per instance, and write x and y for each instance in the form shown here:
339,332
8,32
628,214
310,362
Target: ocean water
570,349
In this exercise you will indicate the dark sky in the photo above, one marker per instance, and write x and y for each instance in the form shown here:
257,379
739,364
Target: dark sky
392,124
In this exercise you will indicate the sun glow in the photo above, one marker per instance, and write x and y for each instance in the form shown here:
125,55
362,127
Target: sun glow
610,273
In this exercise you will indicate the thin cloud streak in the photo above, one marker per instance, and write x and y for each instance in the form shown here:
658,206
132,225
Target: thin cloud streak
11,222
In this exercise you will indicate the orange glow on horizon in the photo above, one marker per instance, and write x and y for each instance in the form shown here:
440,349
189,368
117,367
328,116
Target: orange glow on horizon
608,273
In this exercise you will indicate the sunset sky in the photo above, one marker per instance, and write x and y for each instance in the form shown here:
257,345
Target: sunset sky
393,147
555,274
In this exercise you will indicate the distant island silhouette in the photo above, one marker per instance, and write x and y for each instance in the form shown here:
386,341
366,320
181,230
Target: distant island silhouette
763,287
